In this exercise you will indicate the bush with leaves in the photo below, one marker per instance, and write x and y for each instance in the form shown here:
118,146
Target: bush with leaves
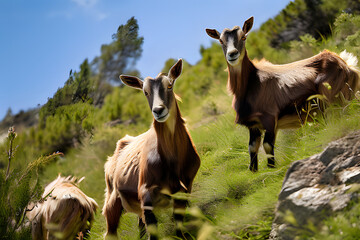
18,187
77,88
125,104
65,128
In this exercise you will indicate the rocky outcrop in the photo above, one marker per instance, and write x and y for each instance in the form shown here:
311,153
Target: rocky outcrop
318,187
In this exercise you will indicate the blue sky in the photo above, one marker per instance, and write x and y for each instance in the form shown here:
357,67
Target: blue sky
41,40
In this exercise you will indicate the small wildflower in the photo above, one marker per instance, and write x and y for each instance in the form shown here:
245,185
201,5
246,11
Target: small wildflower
11,134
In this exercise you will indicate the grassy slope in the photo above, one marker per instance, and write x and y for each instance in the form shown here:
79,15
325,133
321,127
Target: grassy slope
236,202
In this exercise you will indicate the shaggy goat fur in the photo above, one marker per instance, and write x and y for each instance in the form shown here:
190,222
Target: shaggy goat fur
65,211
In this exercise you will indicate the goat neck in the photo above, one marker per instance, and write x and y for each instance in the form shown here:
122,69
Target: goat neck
171,135
239,75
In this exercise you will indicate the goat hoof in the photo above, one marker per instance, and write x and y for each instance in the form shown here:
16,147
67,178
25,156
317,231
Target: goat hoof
253,169
271,165
271,162
111,237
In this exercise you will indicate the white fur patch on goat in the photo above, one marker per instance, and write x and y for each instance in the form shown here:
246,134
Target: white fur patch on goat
254,146
267,147
349,58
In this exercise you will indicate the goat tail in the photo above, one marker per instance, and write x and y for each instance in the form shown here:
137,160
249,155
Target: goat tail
353,81
350,59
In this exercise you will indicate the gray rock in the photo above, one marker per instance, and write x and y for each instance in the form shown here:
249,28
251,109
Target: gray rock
318,187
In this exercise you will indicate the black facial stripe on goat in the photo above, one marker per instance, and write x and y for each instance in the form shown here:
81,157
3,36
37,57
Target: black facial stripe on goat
165,95
161,91
151,93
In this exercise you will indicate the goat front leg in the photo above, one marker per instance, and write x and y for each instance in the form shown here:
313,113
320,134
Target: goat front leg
269,140
254,144
112,211
179,213
142,230
148,214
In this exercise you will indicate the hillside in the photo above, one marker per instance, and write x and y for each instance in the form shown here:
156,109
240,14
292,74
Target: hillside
86,117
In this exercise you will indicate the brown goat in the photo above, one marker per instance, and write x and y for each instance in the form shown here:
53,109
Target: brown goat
267,96
65,211
145,169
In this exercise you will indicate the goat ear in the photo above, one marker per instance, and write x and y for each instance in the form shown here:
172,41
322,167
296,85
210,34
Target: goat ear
213,33
175,71
131,81
248,25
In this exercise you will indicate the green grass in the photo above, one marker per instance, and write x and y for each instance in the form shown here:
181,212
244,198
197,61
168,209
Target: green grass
228,201
234,202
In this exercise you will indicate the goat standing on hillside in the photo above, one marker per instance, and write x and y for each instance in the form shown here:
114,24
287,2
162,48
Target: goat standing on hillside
267,96
65,211
161,160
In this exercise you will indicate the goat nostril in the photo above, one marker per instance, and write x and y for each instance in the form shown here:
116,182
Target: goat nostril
158,110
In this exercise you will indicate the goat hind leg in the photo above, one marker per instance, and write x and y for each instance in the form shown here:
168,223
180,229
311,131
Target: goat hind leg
269,124
269,142
254,144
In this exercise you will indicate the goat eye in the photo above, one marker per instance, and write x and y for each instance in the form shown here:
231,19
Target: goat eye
221,42
243,38
146,93
169,87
